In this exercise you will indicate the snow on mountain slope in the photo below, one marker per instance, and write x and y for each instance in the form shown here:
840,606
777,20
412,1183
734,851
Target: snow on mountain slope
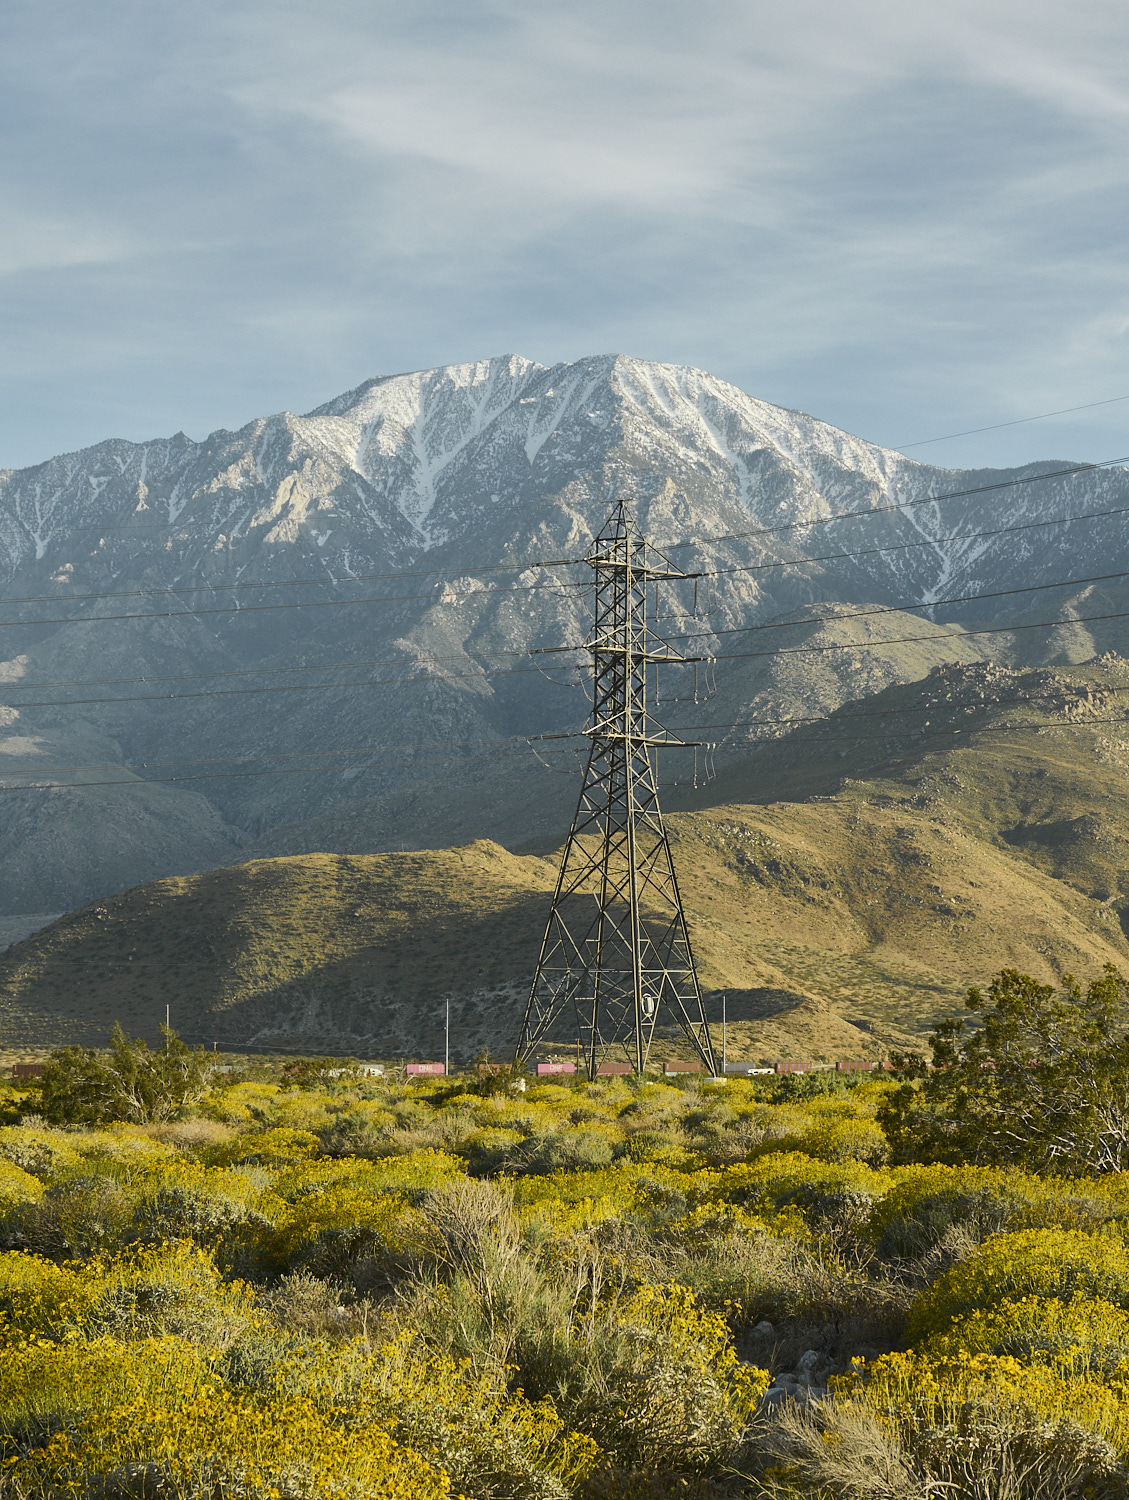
462,469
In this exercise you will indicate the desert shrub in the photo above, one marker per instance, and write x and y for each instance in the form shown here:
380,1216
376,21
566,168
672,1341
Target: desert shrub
277,1148
917,1213
17,1187
122,1151
655,1381
1084,1336
412,1175
87,1214
486,1148
170,1289
846,1451
652,1145
42,1153
1060,1263
224,1211
1041,1082
491,1442
848,1140
562,1151
247,1102
328,1232
787,1188
306,1305
40,1299
145,1419
129,1082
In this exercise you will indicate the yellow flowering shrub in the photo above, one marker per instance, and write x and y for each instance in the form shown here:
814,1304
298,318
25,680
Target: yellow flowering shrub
157,1405
686,1400
171,1289
848,1140
779,1188
277,1148
1084,1336
925,1200
17,1186
915,1393
1062,1263
43,1153
123,1150
327,1231
241,1103
467,1422
38,1297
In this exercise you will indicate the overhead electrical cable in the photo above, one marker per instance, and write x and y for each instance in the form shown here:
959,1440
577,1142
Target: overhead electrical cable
176,590
881,510
562,562
861,612
958,633
864,612
488,593
138,782
960,536
143,781
291,687
905,640
1064,411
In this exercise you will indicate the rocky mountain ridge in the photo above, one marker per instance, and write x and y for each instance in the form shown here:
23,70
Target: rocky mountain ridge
275,640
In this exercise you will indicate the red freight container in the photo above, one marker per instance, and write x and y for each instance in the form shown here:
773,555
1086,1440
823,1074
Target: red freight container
418,1068
544,1069
614,1070
681,1067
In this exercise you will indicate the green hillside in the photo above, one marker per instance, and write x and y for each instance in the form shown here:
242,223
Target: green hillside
844,884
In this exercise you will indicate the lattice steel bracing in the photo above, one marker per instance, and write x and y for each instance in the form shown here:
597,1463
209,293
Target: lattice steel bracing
616,961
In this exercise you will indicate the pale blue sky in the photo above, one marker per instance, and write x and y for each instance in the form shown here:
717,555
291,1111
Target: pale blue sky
906,218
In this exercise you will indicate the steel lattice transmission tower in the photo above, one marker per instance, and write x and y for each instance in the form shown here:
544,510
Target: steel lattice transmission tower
616,957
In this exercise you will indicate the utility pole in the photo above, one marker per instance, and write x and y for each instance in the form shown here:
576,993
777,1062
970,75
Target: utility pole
167,1013
723,998
447,1042
616,956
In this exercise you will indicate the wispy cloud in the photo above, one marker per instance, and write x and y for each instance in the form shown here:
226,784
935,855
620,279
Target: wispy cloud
904,218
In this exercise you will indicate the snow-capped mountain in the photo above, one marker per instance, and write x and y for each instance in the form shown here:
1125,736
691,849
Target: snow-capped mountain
444,478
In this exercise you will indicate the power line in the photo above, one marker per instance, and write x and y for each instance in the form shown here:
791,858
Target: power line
970,731
996,426
292,687
833,720
905,640
176,590
880,510
836,717
142,781
571,561
860,613
245,609
138,782
959,536
955,634
709,573
865,612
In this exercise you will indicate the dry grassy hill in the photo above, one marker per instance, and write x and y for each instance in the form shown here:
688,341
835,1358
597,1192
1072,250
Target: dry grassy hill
842,913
